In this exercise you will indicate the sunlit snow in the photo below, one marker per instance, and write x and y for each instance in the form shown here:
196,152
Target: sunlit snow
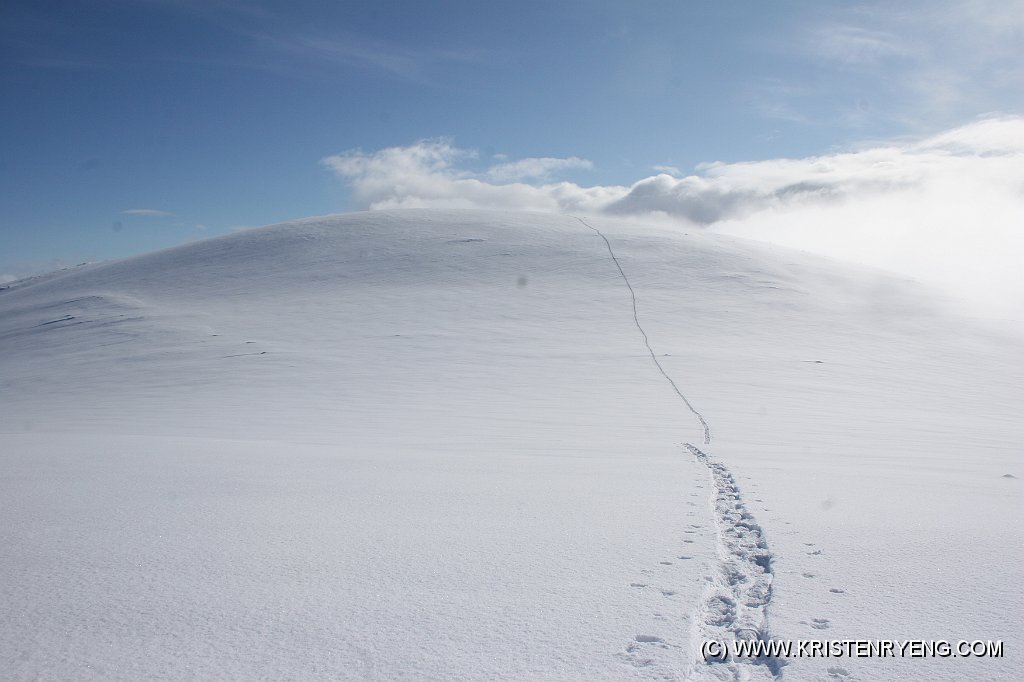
433,444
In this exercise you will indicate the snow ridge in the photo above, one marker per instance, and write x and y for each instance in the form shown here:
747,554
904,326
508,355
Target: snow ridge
737,597
636,320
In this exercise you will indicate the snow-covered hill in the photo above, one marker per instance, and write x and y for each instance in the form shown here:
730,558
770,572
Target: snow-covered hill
465,445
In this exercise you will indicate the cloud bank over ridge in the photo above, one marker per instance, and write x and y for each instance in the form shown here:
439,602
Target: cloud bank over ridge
947,209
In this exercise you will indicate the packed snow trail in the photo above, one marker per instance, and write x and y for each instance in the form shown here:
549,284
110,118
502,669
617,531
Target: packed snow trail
738,595
636,320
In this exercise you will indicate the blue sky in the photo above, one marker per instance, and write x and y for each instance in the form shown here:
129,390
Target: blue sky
130,125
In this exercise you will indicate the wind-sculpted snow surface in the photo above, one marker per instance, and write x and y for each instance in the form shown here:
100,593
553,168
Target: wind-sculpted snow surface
431,445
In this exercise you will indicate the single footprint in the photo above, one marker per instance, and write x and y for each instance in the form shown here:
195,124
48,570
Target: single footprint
820,623
807,575
649,639
836,590
720,610
669,593
665,563
684,557
815,552
638,584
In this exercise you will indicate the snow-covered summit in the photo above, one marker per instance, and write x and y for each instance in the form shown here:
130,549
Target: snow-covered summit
450,445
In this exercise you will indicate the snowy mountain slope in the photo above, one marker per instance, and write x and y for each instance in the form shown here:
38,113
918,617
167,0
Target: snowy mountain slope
433,445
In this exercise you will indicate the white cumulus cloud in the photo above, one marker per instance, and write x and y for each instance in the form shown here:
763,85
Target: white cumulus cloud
426,174
947,209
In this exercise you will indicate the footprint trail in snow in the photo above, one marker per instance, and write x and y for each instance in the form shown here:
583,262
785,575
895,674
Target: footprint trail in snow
735,602
737,597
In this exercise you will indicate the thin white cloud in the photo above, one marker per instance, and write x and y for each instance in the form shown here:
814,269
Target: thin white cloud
855,45
780,100
340,48
922,64
147,212
671,170
541,168
946,209
997,135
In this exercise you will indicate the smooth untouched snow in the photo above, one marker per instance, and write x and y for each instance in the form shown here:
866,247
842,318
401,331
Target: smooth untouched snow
432,445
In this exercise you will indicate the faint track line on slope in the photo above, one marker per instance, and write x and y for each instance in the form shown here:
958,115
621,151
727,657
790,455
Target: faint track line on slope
636,321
